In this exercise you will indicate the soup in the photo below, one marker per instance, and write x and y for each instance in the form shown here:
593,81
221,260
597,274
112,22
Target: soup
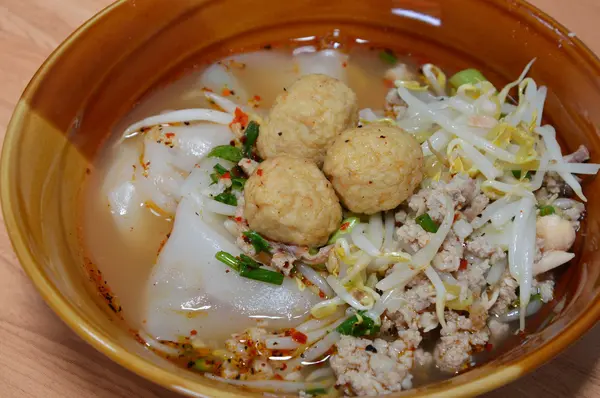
332,219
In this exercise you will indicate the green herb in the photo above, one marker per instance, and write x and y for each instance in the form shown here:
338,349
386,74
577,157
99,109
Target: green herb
547,210
316,391
214,177
388,57
346,227
467,76
202,365
518,173
248,262
229,260
226,152
425,221
359,325
262,275
260,244
251,136
238,183
227,198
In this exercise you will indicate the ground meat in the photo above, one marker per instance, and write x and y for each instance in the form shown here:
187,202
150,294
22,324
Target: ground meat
474,276
507,295
478,204
453,351
246,247
461,190
413,305
448,259
283,261
381,369
413,234
545,289
423,358
482,248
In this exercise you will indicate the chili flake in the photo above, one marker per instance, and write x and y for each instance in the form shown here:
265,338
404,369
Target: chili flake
463,264
299,337
259,172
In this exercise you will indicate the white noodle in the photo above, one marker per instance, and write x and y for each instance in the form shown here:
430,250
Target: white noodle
223,103
402,274
482,163
314,324
158,346
336,301
464,132
180,116
390,226
323,373
490,210
440,297
219,208
315,278
342,293
361,241
375,230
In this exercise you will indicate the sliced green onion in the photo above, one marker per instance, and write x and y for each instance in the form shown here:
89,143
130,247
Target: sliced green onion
359,325
229,260
227,198
347,225
547,210
259,243
226,152
220,169
388,57
262,275
467,76
248,262
251,136
425,221
238,183
214,177
517,174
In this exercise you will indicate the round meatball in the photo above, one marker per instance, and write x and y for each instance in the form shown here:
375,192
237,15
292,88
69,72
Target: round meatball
374,168
305,119
289,200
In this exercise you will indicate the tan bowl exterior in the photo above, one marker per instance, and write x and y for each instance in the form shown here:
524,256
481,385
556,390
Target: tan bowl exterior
97,74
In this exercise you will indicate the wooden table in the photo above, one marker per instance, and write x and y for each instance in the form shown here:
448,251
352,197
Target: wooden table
41,357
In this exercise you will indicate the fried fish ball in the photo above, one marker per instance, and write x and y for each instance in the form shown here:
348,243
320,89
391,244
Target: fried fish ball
289,200
306,119
374,168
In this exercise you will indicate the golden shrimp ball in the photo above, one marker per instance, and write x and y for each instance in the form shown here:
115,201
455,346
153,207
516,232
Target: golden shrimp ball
374,168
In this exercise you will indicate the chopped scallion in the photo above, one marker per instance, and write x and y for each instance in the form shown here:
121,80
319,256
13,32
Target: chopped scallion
227,198
238,183
220,169
467,76
262,275
388,57
202,365
518,173
226,152
228,259
248,262
359,325
251,135
547,210
316,391
259,243
425,221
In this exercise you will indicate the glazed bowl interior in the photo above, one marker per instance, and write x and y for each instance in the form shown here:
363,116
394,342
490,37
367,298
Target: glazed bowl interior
102,70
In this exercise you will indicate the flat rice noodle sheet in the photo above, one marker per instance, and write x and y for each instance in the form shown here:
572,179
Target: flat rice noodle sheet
190,290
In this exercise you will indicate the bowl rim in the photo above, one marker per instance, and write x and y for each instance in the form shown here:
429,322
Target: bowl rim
493,377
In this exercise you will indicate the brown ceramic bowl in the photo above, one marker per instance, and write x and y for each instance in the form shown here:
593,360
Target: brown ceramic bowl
99,73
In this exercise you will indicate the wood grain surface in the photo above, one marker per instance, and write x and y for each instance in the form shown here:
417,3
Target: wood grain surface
41,357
